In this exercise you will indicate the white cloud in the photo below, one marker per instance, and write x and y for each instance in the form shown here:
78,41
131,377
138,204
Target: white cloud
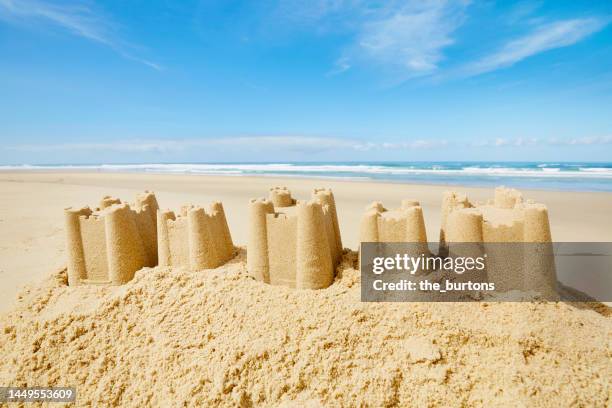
546,37
300,144
341,65
78,19
534,141
412,37
255,144
521,11
416,144
298,11
408,35
584,141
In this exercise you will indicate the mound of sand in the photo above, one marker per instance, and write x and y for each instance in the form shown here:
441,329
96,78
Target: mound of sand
219,337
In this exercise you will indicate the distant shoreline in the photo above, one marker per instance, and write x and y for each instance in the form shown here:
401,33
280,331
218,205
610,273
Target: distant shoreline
547,176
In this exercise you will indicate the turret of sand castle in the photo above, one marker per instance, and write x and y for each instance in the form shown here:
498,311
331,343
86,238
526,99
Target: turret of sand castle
294,243
195,239
110,243
405,224
507,218
525,260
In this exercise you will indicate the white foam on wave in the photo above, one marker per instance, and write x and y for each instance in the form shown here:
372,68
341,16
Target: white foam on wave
596,169
339,170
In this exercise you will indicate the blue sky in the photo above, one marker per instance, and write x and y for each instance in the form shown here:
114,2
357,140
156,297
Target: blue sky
170,81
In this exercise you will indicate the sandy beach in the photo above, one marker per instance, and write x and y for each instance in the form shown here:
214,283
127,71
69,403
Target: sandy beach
32,220
199,336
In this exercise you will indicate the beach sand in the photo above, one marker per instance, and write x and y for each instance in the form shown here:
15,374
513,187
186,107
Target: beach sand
221,338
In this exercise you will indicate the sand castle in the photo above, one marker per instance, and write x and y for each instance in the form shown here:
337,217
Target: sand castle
527,264
110,243
511,234
195,239
294,243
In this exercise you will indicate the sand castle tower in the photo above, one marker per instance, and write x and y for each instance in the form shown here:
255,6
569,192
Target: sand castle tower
516,236
195,239
507,218
294,243
109,244
405,224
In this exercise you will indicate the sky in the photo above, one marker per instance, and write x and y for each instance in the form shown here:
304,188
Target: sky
133,81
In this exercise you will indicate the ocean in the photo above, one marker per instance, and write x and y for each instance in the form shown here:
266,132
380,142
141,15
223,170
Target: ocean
563,176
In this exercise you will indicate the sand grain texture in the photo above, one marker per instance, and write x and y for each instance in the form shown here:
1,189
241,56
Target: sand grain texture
220,338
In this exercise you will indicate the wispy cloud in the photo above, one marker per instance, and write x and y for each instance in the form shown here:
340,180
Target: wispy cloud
413,36
341,65
593,140
78,19
545,37
298,11
521,11
408,36
300,144
501,142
